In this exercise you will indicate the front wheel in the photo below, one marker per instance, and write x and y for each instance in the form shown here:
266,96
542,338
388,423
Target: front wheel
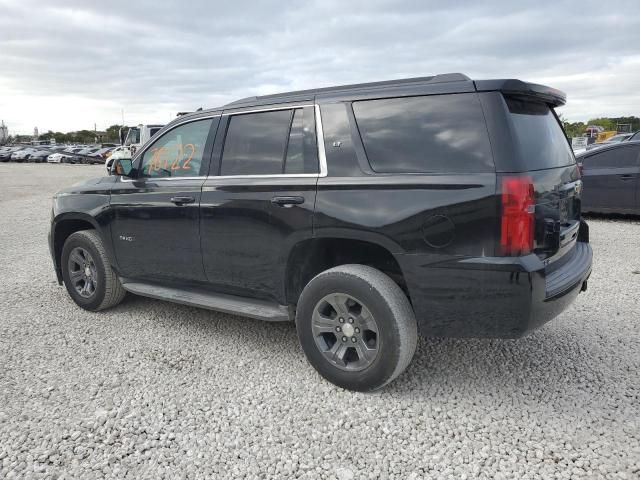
87,274
356,327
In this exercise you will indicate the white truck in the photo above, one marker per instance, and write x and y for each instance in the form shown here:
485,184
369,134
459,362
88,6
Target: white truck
131,140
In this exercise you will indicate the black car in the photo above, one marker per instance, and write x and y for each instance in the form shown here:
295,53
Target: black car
367,213
610,177
39,156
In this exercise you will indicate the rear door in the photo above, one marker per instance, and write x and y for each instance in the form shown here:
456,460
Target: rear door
155,224
610,179
259,198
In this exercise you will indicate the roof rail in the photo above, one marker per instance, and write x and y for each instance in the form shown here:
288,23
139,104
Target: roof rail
242,100
442,78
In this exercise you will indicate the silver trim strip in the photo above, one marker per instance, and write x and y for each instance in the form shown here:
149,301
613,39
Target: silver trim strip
271,175
268,109
156,179
322,157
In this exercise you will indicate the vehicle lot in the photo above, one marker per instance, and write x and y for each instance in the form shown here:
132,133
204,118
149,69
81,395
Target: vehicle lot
152,389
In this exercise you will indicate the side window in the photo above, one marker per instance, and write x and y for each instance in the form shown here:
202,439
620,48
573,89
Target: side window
255,143
614,158
270,143
428,134
341,155
178,152
302,150
294,161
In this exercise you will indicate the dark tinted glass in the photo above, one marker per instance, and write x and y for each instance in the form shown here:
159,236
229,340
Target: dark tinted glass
255,143
540,138
178,152
302,150
441,134
294,162
613,158
341,156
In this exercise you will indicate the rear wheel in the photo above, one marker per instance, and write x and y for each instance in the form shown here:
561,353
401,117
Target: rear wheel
356,327
87,274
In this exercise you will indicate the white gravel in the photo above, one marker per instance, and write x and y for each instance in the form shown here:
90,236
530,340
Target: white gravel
156,390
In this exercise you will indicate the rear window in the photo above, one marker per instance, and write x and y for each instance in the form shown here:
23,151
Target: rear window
540,139
429,134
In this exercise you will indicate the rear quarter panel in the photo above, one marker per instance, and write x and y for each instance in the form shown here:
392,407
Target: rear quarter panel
438,215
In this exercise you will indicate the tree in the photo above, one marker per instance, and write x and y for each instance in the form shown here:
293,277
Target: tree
113,133
607,123
46,136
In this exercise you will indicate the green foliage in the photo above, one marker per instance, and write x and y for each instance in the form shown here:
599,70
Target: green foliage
607,123
573,129
81,136
113,134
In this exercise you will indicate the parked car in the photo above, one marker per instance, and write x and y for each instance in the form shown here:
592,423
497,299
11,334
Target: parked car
22,155
72,152
366,213
100,155
610,141
6,152
39,156
611,178
59,157
82,155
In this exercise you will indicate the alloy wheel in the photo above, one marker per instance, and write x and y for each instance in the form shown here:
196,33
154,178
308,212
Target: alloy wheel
345,332
83,272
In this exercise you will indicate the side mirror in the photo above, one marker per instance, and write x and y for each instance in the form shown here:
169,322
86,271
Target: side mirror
121,166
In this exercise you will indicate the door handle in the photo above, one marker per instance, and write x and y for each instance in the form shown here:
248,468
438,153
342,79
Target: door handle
287,201
182,200
626,176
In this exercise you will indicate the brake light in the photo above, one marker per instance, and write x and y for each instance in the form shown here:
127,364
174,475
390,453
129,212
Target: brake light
517,223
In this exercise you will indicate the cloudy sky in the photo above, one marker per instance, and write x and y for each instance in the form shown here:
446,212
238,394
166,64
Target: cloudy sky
65,65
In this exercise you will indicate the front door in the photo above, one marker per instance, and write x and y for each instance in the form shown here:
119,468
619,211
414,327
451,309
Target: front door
155,224
259,200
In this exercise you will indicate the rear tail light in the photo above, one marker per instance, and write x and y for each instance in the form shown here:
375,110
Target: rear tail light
580,169
517,222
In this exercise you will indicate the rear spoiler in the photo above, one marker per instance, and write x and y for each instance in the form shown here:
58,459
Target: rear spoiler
520,89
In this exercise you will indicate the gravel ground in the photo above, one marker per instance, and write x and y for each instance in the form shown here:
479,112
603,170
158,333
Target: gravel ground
156,390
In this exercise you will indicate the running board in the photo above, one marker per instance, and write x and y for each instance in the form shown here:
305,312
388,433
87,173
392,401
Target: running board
246,307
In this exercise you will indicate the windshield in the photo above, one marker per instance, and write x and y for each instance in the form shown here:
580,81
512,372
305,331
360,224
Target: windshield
541,140
133,136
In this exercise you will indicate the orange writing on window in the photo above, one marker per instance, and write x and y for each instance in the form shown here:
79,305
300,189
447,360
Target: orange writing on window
161,158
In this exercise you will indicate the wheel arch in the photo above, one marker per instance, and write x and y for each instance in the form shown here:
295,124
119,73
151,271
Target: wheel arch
311,256
63,226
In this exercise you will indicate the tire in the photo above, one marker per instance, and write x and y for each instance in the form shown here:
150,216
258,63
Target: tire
107,291
365,292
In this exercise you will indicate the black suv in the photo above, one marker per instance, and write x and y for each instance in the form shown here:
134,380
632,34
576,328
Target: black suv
368,213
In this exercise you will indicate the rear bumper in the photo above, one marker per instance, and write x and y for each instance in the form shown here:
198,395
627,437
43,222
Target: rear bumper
499,297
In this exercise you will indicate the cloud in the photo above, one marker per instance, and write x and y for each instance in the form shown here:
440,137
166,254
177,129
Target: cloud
67,65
